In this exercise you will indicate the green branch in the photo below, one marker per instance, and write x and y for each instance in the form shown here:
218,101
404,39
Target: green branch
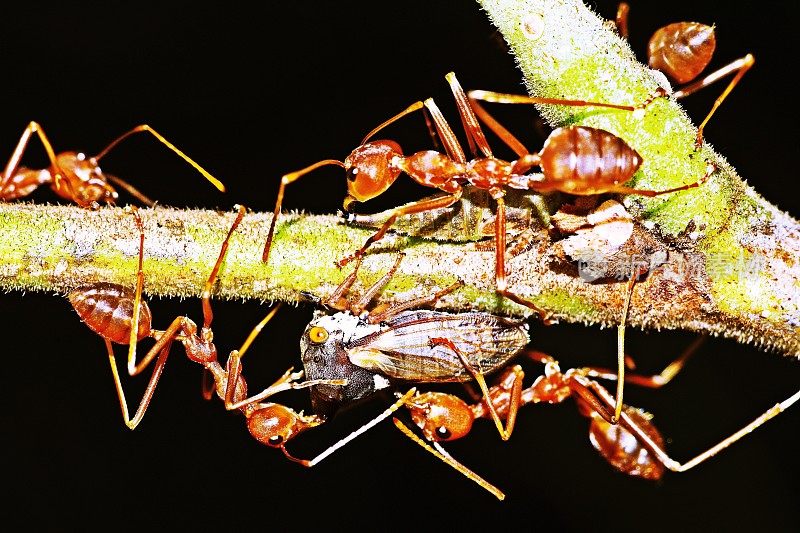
728,260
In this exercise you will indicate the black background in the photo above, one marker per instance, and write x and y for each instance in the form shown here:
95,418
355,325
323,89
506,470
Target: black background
254,94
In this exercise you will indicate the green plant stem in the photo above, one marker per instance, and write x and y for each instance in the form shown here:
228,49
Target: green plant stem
721,231
57,249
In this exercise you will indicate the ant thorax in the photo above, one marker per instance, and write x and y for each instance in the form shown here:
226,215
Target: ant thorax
324,352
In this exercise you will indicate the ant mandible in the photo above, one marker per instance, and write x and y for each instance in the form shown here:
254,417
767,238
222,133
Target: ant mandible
75,177
121,316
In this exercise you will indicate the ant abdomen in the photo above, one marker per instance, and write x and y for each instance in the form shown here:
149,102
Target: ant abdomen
622,449
586,161
107,308
682,50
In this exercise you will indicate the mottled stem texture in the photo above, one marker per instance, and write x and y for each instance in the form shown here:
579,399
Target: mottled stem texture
721,259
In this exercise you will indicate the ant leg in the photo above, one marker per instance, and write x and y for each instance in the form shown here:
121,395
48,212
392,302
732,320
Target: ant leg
287,179
431,130
516,390
357,307
363,429
449,139
336,300
207,381
740,66
427,204
445,457
662,456
621,21
500,263
386,314
146,128
288,381
16,156
656,381
470,123
505,98
621,345
133,369
207,385
506,136
711,167
208,315
161,348
148,395
257,329
162,338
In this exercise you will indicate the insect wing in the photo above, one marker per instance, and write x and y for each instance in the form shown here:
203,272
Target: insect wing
404,350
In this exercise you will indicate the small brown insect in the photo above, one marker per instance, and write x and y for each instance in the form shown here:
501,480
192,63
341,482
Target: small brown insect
74,176
682,50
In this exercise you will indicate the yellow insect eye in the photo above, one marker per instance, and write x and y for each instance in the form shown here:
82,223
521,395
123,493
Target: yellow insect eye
318,334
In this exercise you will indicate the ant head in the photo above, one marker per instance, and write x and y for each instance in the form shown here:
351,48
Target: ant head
370,170
440,416
274,425
86,183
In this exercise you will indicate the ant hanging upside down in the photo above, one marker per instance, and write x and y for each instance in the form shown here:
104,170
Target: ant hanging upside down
120,315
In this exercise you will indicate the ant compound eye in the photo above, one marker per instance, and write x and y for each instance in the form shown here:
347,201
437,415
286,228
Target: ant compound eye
318,335
275,440
443,433
352,173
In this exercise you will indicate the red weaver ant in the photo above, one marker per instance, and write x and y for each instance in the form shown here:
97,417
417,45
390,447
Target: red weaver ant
632,446
576,160
75,177
121,316
682,50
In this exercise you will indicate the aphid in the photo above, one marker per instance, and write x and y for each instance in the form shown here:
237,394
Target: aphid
74,176
120,315
576,160
682,50
632,446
